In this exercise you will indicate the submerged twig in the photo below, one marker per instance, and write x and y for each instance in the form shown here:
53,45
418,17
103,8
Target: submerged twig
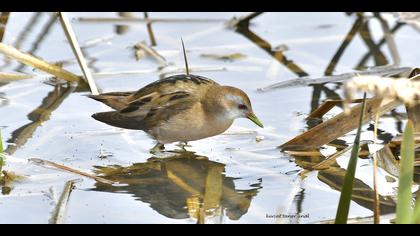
77,51
349,37
389,37
376,209
159,58
37,63
61,207
366,57
241,26
27,29
65,168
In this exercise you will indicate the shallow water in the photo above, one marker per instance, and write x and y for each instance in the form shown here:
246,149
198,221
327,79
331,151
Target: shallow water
230,178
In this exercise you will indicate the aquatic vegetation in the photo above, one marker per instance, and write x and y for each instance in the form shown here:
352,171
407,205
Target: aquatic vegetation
71,36
347,190
406,90
30,60
406,214
241,175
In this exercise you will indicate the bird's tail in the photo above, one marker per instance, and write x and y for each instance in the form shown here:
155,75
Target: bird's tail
114,118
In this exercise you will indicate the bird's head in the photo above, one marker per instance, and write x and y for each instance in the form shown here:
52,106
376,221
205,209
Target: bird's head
234,103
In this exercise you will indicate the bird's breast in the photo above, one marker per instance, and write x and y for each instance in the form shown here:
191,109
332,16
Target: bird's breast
192,124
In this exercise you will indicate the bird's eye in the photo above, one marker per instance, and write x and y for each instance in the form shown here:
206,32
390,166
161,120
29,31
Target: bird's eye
242,107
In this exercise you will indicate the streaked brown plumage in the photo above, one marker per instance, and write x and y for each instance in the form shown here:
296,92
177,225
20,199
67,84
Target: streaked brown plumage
178,108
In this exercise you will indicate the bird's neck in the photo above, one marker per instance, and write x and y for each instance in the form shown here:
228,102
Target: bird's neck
215,108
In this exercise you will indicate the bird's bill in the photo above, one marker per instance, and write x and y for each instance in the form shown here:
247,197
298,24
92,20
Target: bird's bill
254,119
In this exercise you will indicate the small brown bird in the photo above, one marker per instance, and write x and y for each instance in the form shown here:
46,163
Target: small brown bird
179,108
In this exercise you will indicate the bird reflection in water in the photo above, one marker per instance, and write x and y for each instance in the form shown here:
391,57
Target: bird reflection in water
182,186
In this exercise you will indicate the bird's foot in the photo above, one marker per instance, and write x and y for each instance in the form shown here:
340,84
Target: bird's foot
157,148
183,146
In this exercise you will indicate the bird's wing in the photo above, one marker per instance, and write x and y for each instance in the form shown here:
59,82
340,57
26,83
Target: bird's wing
187,83
157,106
175,92
116,100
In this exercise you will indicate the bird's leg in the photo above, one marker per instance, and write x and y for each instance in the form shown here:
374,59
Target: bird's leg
182,145
157,148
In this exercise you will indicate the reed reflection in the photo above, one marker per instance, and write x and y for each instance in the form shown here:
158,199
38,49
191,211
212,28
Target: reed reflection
181,186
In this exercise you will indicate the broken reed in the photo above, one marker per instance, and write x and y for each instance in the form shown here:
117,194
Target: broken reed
406,90
71,37
38,63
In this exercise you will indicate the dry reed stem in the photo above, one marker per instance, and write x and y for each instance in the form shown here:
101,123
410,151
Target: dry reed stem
30,60
338,126
65,168
7,77
71,36
376,209
389,37
159,58
60,210
405,90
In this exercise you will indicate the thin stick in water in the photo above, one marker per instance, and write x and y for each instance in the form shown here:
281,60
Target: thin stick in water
65,168
376,209
159,58
60,210
77,51
389,37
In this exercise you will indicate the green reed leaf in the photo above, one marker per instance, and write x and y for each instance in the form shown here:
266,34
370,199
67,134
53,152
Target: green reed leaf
347,189
404,209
